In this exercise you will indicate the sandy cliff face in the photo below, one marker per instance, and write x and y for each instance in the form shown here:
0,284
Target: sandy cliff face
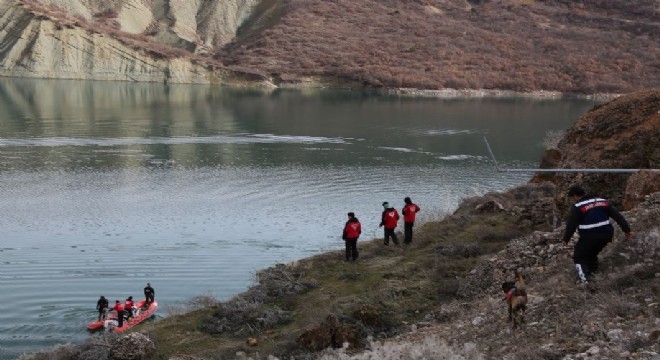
36,47
109,40
208,24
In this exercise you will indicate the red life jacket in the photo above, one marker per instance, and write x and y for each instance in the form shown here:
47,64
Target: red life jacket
118,307
409,212
390,218
129,304
353,229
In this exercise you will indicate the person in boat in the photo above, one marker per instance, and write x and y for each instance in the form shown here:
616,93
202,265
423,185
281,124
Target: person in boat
119,308
128,307
149,294
102,307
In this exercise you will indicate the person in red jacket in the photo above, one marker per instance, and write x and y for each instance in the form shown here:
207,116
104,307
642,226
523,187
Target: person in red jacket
389,220
352,231
409,211
128,307
119,308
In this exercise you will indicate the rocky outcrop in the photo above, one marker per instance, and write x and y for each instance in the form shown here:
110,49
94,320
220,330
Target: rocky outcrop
621,134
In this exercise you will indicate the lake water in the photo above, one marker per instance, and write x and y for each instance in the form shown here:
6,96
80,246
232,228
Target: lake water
106,186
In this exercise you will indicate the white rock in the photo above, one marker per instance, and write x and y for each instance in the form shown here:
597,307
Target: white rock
614,334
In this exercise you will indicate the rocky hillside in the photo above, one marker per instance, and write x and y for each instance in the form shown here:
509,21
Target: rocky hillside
616,317
621,134
567,47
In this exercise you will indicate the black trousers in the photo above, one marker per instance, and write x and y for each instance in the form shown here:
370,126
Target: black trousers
408,232
390,233
587,249
120,318
351,249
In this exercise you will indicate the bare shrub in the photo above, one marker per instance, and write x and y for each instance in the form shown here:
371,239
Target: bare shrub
134,346
58,352
97,347
278,280
240,317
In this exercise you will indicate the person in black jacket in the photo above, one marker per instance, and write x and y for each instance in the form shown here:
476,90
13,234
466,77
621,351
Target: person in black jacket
149,294
590,216
102,306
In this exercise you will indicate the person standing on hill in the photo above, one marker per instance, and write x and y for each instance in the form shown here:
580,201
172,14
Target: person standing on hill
352,231
389,220
102,306
591,217
409,211
149,294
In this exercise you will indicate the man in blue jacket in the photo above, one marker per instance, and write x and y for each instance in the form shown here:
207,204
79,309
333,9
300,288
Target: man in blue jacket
590,216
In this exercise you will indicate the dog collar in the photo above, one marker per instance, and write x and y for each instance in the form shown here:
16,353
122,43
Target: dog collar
509,294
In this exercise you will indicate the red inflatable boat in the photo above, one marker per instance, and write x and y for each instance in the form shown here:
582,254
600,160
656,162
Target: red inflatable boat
143,312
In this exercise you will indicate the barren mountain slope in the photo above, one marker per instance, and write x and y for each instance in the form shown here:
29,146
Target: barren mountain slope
523,45
517,45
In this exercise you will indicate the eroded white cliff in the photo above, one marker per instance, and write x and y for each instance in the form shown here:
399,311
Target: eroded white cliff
78,39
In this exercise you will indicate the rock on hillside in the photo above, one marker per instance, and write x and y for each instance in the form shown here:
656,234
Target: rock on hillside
624,133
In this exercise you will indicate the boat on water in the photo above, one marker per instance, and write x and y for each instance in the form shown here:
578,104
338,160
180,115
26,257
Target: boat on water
141,312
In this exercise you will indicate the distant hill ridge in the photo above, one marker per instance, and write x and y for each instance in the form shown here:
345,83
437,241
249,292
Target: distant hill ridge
515,45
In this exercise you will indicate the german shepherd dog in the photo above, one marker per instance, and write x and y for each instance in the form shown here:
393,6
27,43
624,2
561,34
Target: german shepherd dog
516,299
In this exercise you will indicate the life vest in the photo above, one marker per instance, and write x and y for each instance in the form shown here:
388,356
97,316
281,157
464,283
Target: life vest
390,218
118,307
409,212
353,229
594,215
129,304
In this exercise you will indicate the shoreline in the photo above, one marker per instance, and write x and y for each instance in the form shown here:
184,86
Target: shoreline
271,84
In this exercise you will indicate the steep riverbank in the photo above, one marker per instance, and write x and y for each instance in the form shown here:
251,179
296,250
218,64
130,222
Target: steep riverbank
441,295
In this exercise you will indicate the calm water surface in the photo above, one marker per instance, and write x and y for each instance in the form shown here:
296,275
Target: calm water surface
107,186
